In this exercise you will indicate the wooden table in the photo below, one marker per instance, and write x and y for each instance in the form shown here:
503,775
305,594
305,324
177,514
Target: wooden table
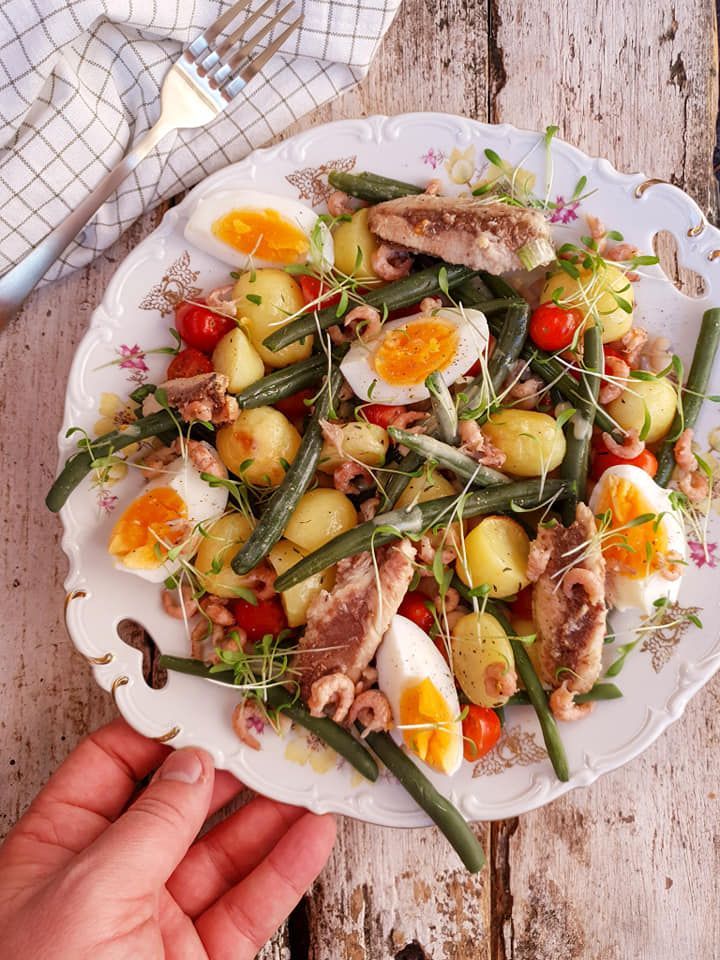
626,869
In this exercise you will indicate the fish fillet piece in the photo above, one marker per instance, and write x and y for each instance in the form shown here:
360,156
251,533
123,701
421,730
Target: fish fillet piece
569,602
346,624
466,230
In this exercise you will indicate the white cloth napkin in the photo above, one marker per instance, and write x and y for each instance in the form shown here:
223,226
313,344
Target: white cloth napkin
80,81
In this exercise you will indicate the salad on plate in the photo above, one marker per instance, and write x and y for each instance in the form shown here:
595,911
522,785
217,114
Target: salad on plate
404,466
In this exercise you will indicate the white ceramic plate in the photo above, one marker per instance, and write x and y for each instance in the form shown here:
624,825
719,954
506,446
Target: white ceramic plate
659,677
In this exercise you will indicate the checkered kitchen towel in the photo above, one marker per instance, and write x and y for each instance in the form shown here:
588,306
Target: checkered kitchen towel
80,81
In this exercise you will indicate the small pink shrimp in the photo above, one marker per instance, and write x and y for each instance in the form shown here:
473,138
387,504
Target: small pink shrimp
428,304
216,610
621,252
525,394
336,690
433,187
598,231
201,634
339,204
390,262
333,434
452,599
683,451
236,641
244,711
368,508
204,458
372,709
366,315
630,347
476,445
351,477
672,566
426,552
631,447
587,581
657,354
221,299
609,389
563,706
694,485
262,581
402,419
186,608
500,680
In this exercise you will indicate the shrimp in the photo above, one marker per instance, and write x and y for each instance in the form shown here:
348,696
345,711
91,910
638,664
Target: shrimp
244,711
598,231
220,299
617,369
426,552
451,601
333,434
657,354
631,447
587,580
622,252
351,477
339,204
476,445
262,581
563,706
683,452
694,485
630,347
372,710
525,394
433,187
367,315
216,610
390,262
186,608
368,508
200,636
428,304
500,680
334,689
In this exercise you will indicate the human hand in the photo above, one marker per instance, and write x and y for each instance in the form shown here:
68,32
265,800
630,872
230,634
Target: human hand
80,878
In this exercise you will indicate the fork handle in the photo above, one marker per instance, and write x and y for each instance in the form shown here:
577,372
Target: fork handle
17,283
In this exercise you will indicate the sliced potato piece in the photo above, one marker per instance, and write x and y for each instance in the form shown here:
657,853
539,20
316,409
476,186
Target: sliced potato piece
256,444
497,551
214,557
479,642
236,357
297,599
320,515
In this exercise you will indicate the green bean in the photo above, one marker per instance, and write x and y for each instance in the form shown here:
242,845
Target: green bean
401,293
282,383
578,430
371,186
538,697
601,691
278,698
269,528
447,817
386,527
448,457
693,392
80,464
443,407
393,484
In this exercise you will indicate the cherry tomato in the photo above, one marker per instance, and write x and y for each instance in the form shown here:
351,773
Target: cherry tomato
413,607
404,312
189,363
381,414
602,459
442,649
552,328
294,406
312,288
522,605
200,327
474,369
267,617
481,729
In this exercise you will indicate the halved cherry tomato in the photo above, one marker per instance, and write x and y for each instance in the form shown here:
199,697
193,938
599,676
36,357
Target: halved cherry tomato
552,328
602,459
474,369
413,607
267,617
294,406
381,414
481,730
522,605
312,289
200,327
189,363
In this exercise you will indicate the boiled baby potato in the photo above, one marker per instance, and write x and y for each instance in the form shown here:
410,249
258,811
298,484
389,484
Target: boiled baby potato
266,299
657,398
236,357
297,599
224,538
255,445
532,442
424,488
497,551
366,442
590,294
477,641
320,515
349,237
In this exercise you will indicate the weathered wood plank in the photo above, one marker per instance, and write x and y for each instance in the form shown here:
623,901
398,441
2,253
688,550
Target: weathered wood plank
625,868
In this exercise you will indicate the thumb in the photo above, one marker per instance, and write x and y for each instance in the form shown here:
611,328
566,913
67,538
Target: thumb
145,845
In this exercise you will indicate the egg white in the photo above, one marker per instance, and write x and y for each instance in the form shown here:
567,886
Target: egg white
625,593
204,503
405,658
358,366
198,230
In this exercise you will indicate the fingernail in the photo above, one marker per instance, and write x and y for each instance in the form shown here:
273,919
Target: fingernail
183,765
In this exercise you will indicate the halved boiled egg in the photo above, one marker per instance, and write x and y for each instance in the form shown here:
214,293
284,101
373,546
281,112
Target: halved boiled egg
392,367
249,229
420,689
644,560
165,516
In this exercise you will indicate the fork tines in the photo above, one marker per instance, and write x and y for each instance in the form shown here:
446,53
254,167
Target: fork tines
227,68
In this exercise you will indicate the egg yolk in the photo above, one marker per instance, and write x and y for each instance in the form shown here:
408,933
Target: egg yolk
262,233
634,551
423,704
408,355
153,523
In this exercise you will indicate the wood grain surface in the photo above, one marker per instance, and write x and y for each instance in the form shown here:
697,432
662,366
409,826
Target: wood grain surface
625,869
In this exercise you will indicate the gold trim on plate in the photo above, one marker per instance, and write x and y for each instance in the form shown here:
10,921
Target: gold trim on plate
646,184
167,736
96,661
101,661
697,229
118,682
714,255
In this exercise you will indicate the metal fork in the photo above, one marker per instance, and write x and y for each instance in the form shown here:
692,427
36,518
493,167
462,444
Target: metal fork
199,85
